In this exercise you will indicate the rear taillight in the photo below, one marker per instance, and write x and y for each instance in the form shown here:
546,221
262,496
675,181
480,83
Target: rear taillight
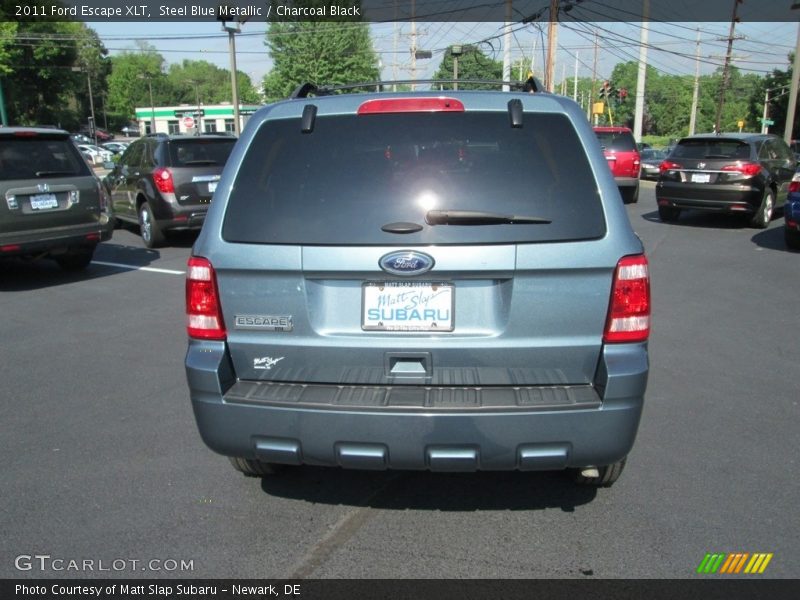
629,310
102,196
405,105
203,309
668,165
794,186
748,169
162,177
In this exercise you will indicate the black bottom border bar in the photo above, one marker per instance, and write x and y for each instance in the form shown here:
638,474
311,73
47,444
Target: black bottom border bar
400,589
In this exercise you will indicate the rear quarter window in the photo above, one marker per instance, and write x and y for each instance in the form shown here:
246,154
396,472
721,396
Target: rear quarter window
339,184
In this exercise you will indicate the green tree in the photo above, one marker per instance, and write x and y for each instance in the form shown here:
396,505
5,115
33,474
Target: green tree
132,74
197,78
472,64
321,53
37,59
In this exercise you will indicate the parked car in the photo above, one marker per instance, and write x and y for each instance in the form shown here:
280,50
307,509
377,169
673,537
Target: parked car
735,173
79,138
419,281
791,214
623,159
115,147
101,134
131,130
53,206
164,183
95,154
651,160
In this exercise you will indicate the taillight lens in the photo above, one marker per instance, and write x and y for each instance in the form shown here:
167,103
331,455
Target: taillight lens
203,309
629,310
162,177
794,186
748,169
668,165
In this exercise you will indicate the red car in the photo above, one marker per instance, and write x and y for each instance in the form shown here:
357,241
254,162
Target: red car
623,159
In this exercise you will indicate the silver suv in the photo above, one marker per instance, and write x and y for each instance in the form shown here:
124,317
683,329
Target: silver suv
444,281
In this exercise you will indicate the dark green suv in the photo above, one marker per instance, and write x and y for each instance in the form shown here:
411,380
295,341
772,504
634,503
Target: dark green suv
53,205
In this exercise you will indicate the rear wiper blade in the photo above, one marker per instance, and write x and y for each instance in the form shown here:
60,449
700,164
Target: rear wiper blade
477,217
201,162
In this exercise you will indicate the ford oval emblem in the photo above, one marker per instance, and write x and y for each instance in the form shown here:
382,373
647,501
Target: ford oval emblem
406,262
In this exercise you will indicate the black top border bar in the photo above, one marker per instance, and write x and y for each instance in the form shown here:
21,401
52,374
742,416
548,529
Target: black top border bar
377,11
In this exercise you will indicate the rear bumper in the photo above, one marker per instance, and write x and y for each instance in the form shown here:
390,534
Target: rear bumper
281,425
626,182
173,216
717,198
55,239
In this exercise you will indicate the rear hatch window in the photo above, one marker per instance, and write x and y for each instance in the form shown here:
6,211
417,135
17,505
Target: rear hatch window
354,174
711,148
37,156
200,152
618,141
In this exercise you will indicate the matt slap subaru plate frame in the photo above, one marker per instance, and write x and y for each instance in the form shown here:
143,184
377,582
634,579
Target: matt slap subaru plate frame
414,297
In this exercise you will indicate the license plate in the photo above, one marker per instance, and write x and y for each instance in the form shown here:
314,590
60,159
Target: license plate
701,177
212,186
43,201
407,306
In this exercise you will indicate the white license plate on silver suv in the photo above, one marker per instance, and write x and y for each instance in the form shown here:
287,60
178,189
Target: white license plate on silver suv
407,306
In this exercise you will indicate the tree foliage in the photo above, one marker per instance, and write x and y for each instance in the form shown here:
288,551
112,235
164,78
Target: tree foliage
472,64
320,53
44,65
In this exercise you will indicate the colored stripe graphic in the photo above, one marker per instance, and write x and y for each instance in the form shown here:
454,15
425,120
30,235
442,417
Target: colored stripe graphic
734,562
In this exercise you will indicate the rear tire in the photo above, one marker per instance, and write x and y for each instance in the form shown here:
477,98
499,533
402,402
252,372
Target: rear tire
608,475
253,468
763,215
792,239
669,214
151,233
75,259
630,195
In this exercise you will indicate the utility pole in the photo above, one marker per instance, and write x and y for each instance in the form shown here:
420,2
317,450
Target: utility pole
594,79
726,68
787,131
552,44
575,84
413,45
696,91
507,47
638,115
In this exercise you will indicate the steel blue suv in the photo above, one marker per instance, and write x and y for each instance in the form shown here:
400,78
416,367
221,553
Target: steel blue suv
427,280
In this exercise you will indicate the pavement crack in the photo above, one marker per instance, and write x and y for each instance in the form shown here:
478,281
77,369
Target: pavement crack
344,529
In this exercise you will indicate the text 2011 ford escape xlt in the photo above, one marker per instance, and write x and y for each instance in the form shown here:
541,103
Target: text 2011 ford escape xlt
443,281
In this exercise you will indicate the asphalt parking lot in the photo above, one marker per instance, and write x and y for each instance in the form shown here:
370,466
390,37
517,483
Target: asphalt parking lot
103,462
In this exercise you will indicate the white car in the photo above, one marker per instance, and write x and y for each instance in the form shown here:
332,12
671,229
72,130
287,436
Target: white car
95,154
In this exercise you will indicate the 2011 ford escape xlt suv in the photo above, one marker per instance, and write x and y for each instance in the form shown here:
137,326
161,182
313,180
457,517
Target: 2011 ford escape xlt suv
419,281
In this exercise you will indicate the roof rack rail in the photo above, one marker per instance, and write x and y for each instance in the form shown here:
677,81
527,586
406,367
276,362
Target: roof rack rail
531,85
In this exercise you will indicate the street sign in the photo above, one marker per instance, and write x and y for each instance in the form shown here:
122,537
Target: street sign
188,122
192,112
768,121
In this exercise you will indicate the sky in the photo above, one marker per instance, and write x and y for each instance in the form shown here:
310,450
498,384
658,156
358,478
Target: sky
759,47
